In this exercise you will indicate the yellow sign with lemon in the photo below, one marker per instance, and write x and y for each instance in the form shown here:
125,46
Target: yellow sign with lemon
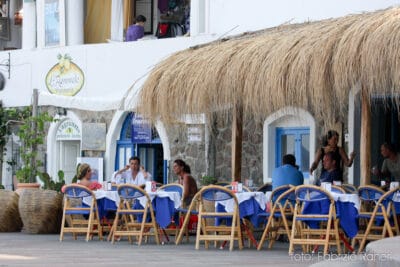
65,78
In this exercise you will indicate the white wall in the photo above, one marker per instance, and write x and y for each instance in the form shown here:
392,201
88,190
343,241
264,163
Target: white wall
109,69
251,15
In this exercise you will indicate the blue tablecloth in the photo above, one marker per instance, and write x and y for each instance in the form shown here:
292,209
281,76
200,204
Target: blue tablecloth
105,206
164,209
345,211
248,209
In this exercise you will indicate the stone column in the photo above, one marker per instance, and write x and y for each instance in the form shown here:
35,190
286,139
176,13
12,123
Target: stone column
29,25
74,16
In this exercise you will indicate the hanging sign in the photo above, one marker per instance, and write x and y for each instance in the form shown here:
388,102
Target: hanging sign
65,78
141,130
68,130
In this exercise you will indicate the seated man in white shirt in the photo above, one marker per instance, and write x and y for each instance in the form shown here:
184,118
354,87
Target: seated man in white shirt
131,174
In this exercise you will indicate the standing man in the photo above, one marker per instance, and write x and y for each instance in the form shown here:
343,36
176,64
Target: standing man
136,31
131,174
288,173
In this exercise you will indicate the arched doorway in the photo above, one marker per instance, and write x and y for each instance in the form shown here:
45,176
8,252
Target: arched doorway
288,131
150,153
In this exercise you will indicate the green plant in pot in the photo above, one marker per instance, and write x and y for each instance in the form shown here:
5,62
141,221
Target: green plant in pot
50,184
207,180
32,134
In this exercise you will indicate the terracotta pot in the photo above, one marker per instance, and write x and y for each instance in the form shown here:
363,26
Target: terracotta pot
21,186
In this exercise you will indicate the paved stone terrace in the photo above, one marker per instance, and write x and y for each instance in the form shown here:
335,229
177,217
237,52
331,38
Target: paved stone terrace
19,249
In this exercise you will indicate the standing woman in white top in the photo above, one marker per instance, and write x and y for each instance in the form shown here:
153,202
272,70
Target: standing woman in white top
131,174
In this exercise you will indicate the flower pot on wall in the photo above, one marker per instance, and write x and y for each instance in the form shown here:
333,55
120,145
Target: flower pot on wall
40,211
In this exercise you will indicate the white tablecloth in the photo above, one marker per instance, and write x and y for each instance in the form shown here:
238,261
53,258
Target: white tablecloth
258,196
347,198
174,196
111,195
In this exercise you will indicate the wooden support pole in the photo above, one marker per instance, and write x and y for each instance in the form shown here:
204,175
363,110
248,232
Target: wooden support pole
237,136
365,142
35,101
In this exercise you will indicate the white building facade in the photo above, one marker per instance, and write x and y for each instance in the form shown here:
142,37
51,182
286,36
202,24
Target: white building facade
104,78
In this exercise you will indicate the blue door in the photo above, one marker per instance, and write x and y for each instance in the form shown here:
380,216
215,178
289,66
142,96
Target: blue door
296,141
150,154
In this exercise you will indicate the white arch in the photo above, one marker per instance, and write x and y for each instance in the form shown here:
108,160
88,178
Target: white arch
113,135
285,117
51,150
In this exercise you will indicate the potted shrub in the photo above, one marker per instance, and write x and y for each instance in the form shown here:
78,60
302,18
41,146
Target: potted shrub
32,134
207,180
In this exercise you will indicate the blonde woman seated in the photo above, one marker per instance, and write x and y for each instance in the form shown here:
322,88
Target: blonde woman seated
84,176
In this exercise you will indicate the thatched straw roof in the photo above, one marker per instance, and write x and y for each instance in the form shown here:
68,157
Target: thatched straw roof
310,65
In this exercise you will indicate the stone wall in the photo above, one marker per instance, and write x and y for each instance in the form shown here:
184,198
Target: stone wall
251,152
193,153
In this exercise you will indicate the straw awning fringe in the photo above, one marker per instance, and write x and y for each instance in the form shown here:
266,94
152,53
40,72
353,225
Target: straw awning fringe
313,65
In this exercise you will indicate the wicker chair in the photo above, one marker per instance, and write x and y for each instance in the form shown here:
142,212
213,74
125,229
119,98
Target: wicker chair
307,197
265,188
349,188
376,205
282,199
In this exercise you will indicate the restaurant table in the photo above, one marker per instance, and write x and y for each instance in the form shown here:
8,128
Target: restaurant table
106,201
250,205
347,207
164,204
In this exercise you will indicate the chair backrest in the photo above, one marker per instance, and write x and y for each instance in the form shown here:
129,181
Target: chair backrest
215,193
279,191
130,192
173,188
392,196
287,198
370,193
349,188
337,189
77,191
223,183
265,188
313,199
312,193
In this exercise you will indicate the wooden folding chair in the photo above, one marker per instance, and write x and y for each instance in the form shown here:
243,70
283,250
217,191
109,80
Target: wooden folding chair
282,199
369,196
78,217
131,218
383,211
174,187
191,210
314,206
210,230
